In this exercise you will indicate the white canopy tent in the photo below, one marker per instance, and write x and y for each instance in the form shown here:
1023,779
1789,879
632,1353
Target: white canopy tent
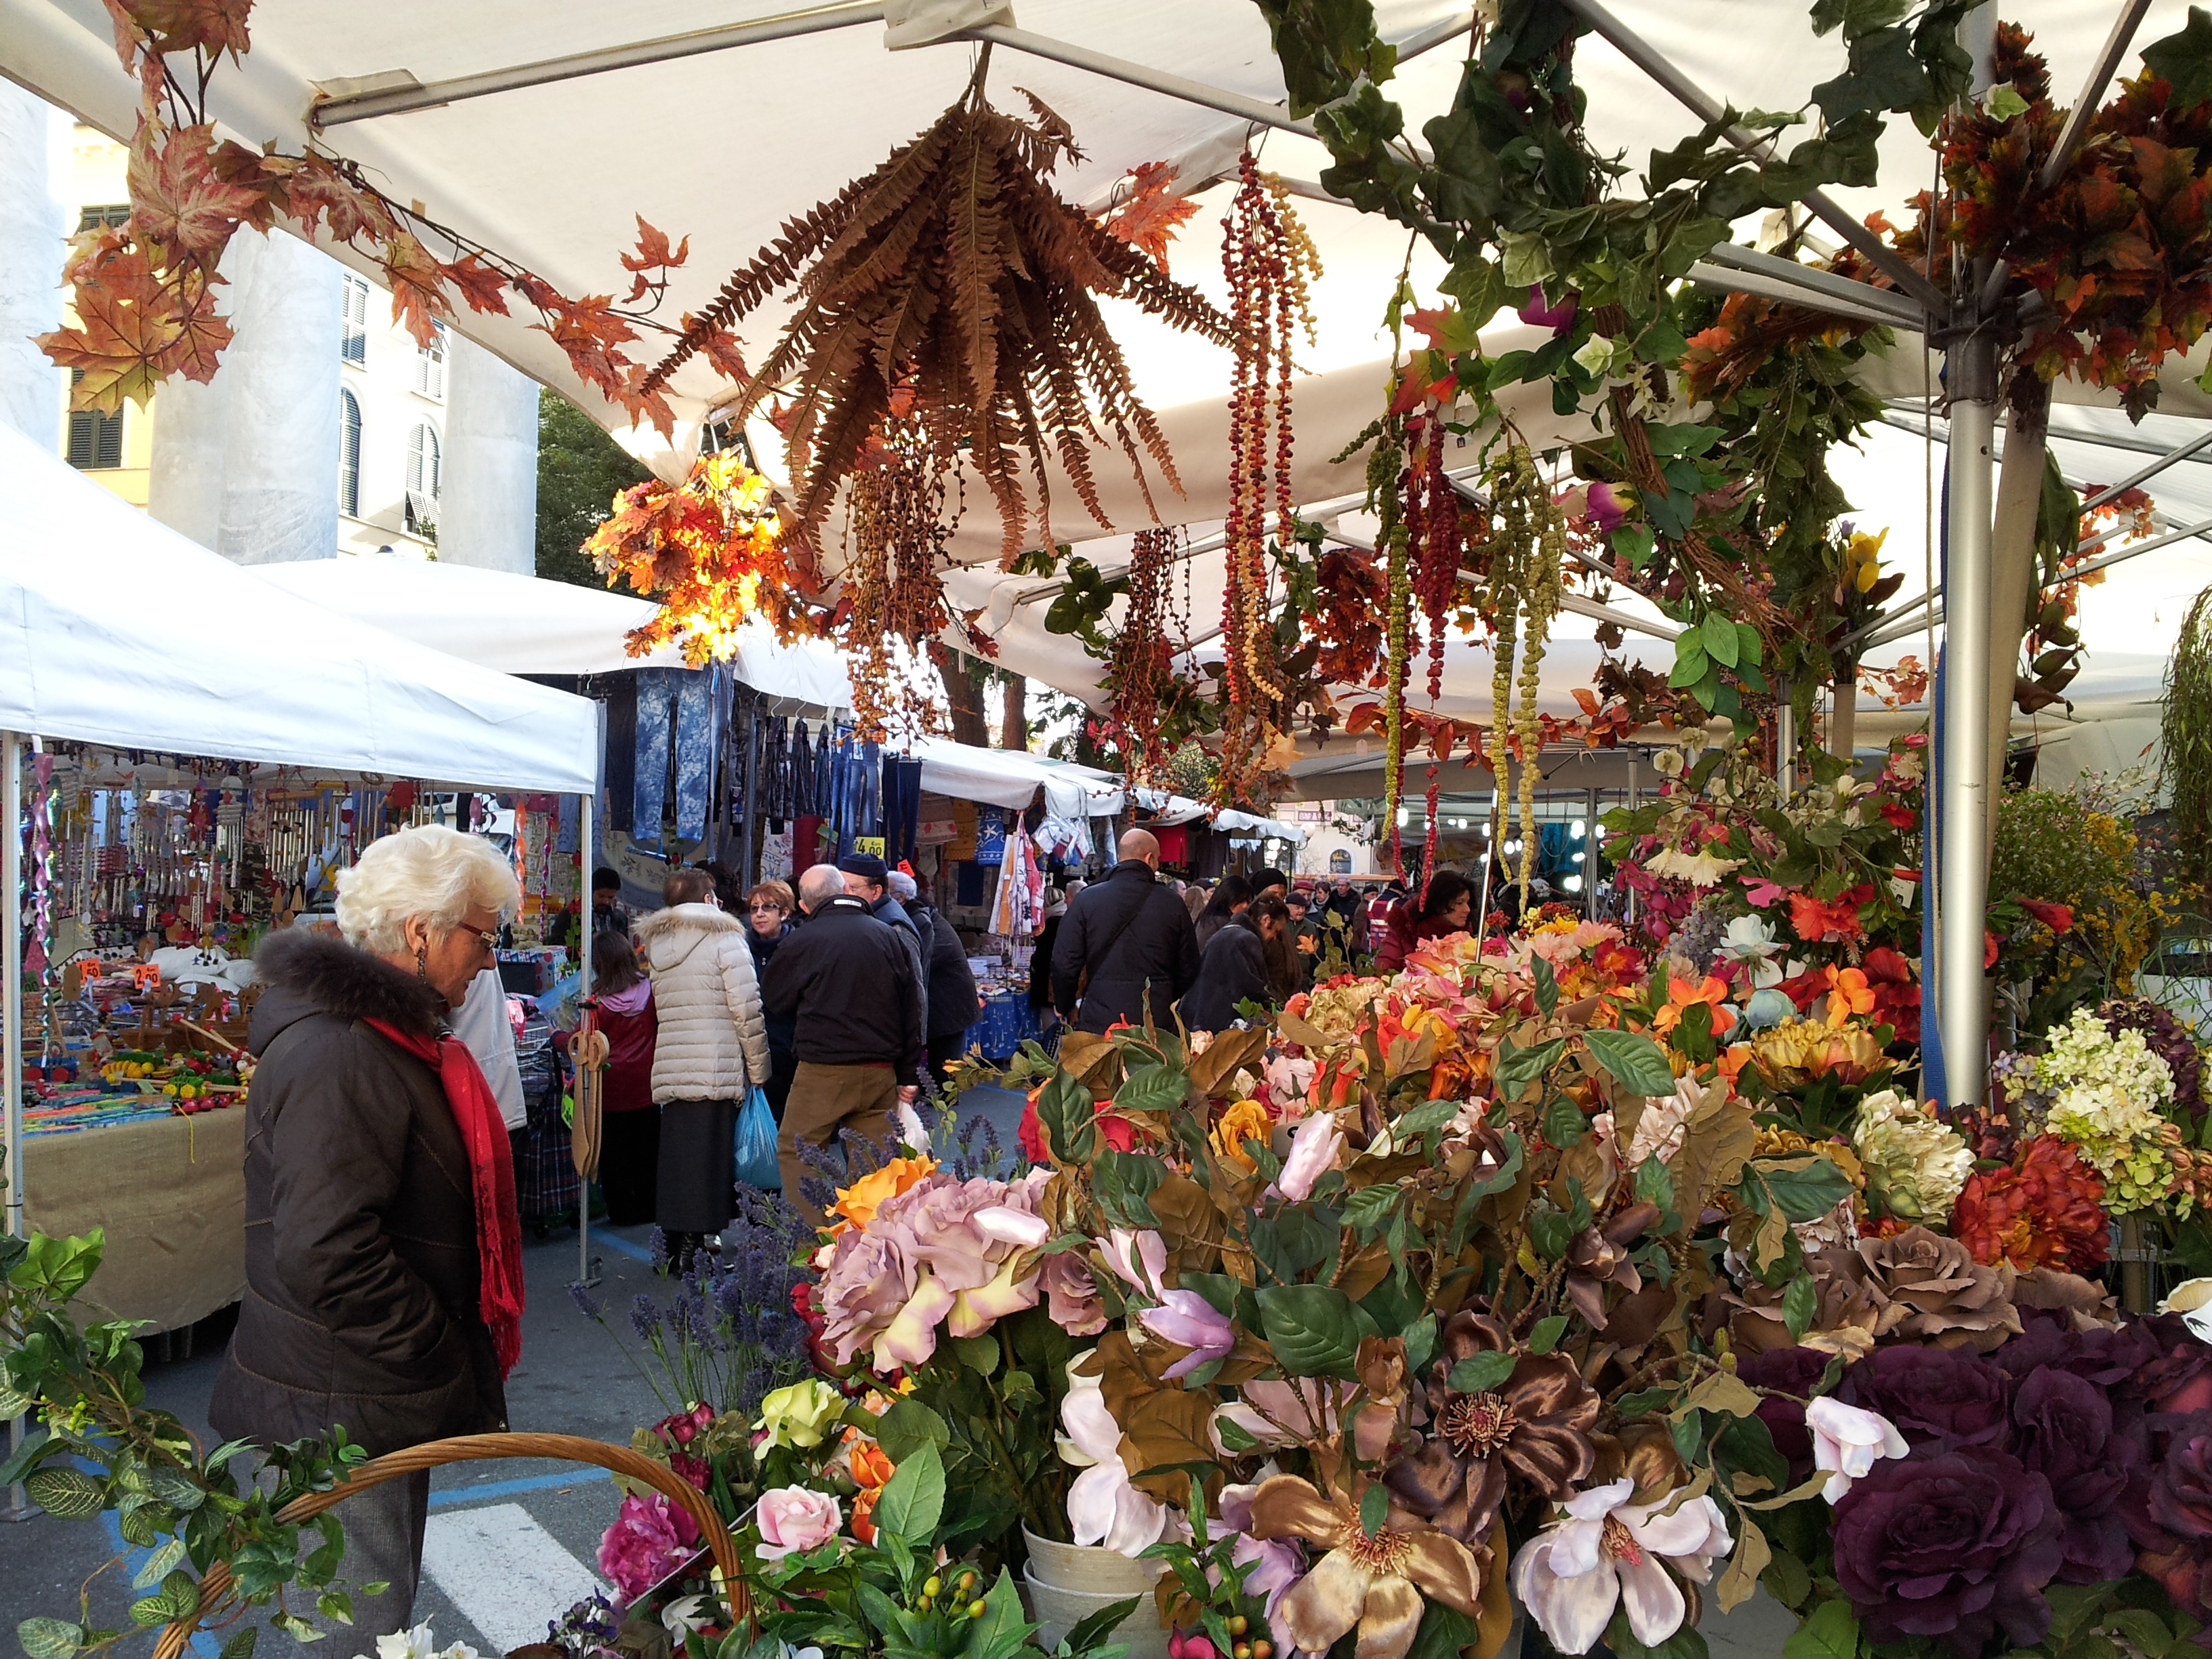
528,625
470,113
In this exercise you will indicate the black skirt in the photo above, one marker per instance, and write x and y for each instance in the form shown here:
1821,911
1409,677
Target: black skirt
697,1181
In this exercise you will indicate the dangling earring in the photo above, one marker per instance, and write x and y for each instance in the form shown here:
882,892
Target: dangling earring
423,963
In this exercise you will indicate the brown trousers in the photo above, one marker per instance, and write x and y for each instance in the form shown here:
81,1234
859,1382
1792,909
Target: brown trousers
824,1100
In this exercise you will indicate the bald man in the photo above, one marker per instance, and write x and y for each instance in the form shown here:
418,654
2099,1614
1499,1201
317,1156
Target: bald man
1126,946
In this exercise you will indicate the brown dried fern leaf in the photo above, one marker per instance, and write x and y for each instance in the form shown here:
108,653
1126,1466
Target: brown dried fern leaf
956,274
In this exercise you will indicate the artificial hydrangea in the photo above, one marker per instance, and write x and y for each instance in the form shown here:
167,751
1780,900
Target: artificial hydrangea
1915,1163
2108,1093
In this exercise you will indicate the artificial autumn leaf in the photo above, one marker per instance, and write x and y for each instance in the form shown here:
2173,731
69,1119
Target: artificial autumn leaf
643,402
418,301
481,287
214,26
653,256
589,330
179,204
955,267
133,330
1152,213
317,192
722,350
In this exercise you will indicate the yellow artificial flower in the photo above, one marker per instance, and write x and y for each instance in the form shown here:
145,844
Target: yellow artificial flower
857,1204
1245,1120
801,1414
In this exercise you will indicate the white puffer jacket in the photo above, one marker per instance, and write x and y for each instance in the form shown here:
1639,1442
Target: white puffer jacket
713,1043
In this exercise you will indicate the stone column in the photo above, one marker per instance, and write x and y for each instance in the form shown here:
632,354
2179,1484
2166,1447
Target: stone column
488,507
248,464
32,240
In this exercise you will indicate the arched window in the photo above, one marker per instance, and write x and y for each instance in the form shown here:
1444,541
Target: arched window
422,469
430,364
1340,862
348,454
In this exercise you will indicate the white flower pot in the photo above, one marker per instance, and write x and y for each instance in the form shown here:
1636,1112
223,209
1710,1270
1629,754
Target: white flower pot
1068,1583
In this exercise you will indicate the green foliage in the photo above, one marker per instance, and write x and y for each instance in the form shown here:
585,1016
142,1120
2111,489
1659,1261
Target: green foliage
2185,719
580,469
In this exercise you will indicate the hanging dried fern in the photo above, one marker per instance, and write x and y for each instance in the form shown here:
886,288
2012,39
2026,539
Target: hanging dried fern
954,270
2185,734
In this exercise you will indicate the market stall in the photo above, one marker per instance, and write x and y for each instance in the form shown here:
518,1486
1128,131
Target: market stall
204,753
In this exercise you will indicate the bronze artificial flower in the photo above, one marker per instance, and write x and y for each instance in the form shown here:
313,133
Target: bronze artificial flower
1599,1257
1927,1288
1535,1423
1376,1583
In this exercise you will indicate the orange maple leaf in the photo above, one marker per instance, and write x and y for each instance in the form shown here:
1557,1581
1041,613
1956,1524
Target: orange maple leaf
652,255
649,405
1149,217
478,283
588,330
317,191
180,203
415,278
212,25
133,330
722,350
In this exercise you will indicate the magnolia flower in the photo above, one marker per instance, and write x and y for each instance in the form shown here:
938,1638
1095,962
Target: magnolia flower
1313,1151
1750,941
418,1644
1849,1442
1102,1506
1277,1563
796,1518
1375,1581
1137,1258
1284,1413
1190,1321
1606,1551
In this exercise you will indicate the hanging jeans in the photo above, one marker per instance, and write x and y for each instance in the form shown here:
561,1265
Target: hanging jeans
902,807
694,746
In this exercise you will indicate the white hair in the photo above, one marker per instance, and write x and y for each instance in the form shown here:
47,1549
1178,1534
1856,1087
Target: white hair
430,871
903,886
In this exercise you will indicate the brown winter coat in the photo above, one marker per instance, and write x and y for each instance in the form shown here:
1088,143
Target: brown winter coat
361,1243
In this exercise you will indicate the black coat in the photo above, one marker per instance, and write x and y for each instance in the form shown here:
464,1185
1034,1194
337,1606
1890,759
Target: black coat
1133,937
916,939
847,981
1233,969
361,1235
953,1005
780,1027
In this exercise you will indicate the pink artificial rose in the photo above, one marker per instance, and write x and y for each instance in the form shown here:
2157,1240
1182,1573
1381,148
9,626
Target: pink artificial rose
796,1518
650,1538
1072,1295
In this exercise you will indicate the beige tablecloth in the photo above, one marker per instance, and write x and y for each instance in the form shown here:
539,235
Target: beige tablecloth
171,1194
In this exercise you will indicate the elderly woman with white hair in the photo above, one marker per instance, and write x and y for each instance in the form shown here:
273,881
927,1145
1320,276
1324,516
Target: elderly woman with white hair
383,1255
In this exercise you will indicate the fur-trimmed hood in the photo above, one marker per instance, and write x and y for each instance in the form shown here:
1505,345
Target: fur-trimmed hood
308,973
668,936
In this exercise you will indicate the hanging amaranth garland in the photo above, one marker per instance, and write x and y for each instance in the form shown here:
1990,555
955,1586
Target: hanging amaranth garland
1270,263
1140,672
900,511
1434,543
1525,552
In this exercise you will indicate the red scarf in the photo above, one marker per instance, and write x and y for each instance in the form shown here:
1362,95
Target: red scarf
491,1173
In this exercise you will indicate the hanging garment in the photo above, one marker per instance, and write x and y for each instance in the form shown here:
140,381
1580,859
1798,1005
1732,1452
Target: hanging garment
824,763
656,722
622,750
902,809
693,747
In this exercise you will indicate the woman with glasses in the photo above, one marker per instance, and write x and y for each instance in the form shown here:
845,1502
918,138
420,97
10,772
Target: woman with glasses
769,907
383,1252
711,1051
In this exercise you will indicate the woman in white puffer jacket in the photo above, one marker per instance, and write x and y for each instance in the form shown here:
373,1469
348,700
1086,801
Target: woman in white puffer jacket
711,1052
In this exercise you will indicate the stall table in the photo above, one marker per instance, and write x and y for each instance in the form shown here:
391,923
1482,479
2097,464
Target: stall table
1008,1022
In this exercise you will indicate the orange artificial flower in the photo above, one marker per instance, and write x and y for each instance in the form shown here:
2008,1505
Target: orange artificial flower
1732,1060
871,1467
1849,994
857,1204
1682,996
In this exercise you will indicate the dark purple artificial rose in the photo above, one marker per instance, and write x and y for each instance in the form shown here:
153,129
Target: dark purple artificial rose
2170,1515
2062,1430
1957,1545
2179,1379
1789,1371
2102,1355
1941,1399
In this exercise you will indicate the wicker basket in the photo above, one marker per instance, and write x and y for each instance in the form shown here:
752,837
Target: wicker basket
217,1596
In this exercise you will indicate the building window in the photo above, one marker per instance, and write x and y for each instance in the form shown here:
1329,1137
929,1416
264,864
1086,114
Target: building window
353,321
348,454
95,441
1340,862
110,216
423,468
430,364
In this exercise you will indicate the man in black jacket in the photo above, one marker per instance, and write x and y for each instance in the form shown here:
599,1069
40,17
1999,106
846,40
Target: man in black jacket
1126,943
953,1004
848,983
867,878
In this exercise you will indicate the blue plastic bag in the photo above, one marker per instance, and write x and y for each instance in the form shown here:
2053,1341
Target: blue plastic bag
756,1162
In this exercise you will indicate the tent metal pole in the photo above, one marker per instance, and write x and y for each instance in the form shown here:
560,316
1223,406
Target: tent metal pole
19,1504
1633,754
1640,52
1761,274
585,1274
398,101
2093,89
1962,854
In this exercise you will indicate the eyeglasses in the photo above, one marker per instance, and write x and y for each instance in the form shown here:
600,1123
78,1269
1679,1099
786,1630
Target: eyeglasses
767,908
489,936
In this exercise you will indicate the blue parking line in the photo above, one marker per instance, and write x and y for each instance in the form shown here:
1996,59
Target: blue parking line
621,1246
453,1497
